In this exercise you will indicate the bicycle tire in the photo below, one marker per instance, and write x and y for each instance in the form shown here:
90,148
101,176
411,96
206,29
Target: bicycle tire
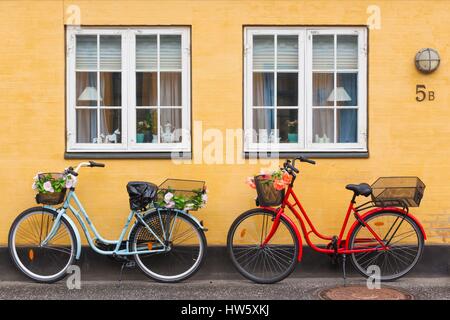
240,268
393,277
13,250
153,275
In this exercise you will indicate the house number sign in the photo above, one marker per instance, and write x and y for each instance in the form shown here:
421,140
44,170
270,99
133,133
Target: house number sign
423,94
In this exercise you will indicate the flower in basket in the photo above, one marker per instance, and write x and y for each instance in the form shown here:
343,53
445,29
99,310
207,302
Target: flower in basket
279,178
172,200
50,183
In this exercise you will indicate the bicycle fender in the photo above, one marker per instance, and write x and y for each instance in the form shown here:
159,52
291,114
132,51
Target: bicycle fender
77,235
377,210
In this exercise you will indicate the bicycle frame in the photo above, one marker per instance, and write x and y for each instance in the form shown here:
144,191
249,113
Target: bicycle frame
341,248
89,227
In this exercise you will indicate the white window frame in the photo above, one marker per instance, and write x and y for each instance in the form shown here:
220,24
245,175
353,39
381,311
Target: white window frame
128,107
305,90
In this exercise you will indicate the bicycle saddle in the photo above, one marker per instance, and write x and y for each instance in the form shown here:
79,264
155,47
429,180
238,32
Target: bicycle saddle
362,189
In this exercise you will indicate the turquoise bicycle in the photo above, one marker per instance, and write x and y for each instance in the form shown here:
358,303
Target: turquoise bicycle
166,243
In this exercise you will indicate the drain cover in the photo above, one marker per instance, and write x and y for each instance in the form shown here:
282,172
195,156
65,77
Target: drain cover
354,292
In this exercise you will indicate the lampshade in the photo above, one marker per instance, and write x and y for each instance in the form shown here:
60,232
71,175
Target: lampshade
89,94
427,60
341,95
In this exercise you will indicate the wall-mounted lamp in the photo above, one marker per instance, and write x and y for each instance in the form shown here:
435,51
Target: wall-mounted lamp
427,60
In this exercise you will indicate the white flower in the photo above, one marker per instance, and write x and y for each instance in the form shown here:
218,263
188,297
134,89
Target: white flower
168,197
204,198
70,181
34,186
170,204
48,186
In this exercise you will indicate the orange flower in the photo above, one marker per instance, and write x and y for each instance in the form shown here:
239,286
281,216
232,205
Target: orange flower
287,178
251,182
278,184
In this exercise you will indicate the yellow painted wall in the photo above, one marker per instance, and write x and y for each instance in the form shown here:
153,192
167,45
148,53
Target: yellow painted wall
405,137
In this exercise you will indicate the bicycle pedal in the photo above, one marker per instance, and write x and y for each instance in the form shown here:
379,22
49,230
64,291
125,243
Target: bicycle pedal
130,264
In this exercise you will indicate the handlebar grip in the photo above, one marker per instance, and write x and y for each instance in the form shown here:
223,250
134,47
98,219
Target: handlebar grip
290,166
96,164
72,172
306,160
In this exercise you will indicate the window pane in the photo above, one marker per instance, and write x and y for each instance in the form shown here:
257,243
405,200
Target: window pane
146,55
146,126
86,52
287,89
323,126
146,89
86,88
323,84
287,55
263,52
263,89
86,125
263,125
110,52
347,124
110,125
347,52
287,123
170,89
110,89
323,52
347,89
170,52
170,125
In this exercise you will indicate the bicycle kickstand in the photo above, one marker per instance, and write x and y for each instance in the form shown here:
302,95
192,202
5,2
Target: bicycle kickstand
344,256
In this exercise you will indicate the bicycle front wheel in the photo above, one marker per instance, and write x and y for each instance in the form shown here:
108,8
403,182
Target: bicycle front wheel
42,263
262,264
399,233
184,239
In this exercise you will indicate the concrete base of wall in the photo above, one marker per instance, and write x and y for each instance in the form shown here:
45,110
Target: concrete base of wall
434,263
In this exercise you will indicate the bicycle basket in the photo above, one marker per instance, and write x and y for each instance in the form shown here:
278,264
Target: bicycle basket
392,191
268,196
50,198
141,194
185,189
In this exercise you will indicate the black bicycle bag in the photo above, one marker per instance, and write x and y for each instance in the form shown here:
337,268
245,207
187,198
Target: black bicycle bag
141,194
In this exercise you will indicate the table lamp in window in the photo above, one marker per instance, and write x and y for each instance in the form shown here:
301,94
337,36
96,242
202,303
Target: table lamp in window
89,94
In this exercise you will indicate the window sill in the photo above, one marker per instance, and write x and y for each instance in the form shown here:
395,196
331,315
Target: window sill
289,155
126,155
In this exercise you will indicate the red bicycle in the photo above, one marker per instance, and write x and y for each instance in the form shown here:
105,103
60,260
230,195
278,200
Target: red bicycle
265,244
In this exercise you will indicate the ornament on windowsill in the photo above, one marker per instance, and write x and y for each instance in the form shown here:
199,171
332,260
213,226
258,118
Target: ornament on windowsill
167,136
112,138
323,139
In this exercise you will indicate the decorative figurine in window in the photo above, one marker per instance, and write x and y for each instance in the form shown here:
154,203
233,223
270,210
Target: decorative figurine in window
167,134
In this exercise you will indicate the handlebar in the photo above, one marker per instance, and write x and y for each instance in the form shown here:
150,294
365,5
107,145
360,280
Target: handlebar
290,165
90,164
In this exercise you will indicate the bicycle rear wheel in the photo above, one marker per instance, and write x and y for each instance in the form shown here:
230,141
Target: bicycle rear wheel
262,264
400,233
42,263
186,243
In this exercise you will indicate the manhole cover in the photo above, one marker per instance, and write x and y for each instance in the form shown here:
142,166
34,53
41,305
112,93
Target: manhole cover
354,292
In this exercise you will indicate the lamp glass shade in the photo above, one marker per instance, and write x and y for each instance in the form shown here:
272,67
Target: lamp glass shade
89,94
339,94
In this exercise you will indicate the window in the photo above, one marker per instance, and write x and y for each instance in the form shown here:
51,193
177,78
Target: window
128,90
305,89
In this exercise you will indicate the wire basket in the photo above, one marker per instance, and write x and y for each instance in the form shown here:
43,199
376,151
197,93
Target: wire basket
390,191
268,196
181,188
51,198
